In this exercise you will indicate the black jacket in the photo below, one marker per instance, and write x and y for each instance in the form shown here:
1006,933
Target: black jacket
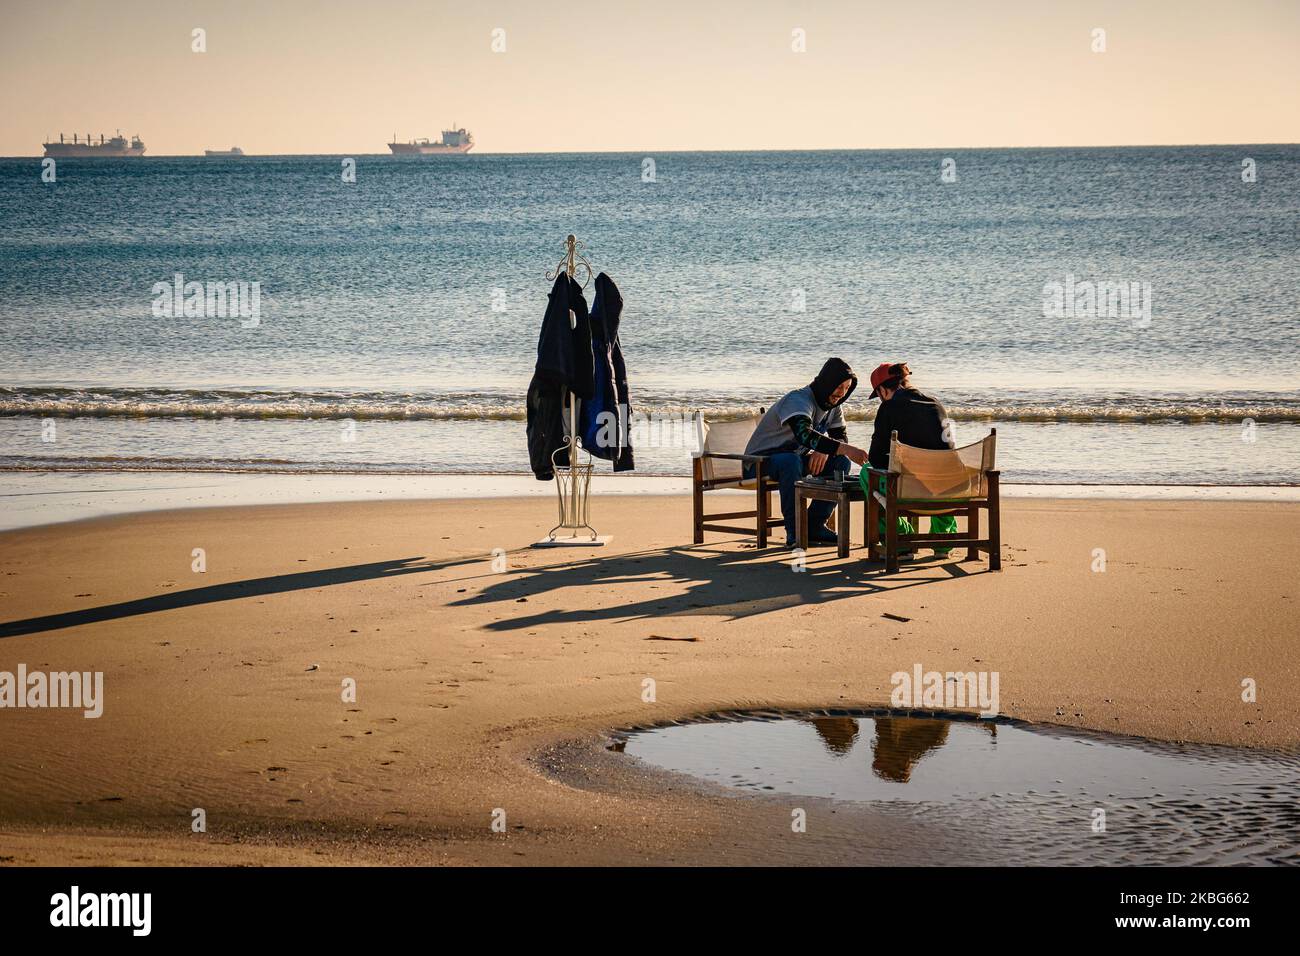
564,351
564,364
916,417
606,419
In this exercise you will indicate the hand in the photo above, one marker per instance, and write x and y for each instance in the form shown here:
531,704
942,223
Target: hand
817,461
854,454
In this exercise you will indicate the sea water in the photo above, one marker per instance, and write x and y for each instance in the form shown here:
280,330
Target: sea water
397,315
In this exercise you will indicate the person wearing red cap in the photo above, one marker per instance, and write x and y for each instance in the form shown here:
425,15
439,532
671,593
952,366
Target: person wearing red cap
920,422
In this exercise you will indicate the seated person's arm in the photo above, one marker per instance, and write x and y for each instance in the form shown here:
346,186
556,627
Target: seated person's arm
801,426
879,451
948,437
836,443
838,429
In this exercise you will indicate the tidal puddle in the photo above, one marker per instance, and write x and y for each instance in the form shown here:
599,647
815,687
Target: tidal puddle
1034,792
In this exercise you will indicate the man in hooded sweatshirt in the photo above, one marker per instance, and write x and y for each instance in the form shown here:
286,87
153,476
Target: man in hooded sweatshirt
805,434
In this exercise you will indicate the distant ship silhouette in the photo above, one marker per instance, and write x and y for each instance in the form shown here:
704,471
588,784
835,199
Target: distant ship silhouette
117,146
454,141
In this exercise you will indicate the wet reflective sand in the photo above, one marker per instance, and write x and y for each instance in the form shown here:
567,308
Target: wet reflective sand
1035,794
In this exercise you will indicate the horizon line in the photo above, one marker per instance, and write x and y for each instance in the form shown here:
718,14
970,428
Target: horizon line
682,149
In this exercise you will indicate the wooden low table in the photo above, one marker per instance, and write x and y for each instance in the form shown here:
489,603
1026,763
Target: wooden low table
841,494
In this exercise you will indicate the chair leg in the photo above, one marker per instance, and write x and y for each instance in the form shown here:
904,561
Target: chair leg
995,524
872,522
761,507
973,532
697,502
866,535
842,524
801,521
891,530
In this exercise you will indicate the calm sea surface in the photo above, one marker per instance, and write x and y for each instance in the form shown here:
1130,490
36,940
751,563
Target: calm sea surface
398,315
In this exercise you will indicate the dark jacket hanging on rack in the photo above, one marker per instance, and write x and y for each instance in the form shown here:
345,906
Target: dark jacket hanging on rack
605,420
564,364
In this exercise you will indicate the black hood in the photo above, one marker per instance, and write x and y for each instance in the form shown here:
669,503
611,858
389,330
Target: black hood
607,307
834,372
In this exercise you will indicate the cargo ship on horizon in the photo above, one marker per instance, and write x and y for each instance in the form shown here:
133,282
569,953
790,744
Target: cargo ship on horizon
233,151
115,147
454,142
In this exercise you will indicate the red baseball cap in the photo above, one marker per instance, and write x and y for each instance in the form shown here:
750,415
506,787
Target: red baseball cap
880,375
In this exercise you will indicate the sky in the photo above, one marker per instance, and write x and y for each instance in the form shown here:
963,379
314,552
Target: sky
328,76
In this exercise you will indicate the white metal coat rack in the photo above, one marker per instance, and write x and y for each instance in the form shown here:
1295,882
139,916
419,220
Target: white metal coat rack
573,484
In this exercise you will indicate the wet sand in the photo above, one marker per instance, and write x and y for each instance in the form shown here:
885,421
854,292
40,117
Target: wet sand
481,688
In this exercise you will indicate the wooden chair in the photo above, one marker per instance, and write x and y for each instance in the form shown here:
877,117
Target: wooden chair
956,481
719,464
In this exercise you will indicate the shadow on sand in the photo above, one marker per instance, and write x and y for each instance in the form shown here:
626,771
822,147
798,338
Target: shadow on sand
233,590
713,581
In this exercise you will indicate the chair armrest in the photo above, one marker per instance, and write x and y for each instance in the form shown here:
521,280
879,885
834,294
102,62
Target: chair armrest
878,472
714,454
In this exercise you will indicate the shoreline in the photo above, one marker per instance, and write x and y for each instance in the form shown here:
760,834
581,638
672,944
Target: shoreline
36,498
480,688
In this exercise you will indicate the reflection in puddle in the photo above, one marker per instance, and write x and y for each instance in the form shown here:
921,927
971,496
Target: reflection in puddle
1162,803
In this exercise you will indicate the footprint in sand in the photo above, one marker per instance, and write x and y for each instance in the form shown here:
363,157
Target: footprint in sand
245,743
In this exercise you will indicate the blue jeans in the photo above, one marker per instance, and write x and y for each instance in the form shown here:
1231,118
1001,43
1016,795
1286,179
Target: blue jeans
785,469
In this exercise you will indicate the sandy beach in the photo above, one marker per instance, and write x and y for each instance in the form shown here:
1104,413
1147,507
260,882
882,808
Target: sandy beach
486,682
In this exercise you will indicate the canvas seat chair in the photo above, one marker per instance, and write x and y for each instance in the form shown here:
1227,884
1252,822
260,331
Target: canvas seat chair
718,464
950,481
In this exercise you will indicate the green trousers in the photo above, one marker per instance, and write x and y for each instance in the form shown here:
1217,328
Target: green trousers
939,524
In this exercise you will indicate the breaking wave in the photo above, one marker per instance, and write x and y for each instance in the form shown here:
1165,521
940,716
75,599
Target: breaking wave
63,402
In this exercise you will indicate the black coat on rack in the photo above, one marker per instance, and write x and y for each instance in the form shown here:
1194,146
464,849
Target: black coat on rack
565,363
611,401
